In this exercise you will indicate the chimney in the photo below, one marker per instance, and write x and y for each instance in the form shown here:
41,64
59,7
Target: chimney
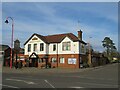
80,35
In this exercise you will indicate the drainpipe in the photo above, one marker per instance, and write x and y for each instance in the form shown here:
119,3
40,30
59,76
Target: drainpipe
57,55
79,54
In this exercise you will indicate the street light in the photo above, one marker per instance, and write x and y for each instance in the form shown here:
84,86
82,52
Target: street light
11,38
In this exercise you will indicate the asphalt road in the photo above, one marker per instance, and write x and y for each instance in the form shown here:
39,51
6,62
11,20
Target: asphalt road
101,77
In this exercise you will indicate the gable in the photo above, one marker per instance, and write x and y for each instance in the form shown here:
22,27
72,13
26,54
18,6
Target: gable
34,38
66,39
33,55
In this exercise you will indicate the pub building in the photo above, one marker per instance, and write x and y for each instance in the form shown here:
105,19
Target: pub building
59,50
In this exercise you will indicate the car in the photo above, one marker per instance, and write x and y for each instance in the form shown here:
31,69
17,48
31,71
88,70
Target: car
115,61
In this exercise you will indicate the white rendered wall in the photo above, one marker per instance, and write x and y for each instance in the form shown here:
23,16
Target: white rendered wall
32,42
74,47
48,48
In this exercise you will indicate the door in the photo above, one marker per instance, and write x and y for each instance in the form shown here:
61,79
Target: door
34,62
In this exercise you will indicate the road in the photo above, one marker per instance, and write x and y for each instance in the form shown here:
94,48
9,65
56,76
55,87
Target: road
100,77
0,73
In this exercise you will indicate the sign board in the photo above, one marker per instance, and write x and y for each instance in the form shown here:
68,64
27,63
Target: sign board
22,59
71,60
35,41
35,38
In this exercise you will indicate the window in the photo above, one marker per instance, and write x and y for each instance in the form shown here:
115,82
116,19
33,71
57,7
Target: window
62,60
29,47
35,47
66,46
41,60
82,48
81,61
41,46
53,60
71,60
54,47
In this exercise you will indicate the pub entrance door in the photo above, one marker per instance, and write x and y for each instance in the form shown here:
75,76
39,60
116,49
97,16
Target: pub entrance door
33,60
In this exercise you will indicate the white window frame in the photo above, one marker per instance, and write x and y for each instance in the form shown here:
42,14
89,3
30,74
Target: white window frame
35,47
41,60
82,48
62,60
53,60
66,46
72,60
41,47
29,50
54,47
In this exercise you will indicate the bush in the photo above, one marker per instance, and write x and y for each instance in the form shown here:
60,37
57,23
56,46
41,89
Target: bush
49,65
85,65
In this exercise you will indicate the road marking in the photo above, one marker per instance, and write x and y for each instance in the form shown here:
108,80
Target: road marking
85,77
28,82
26,78
76,87
9,86
97,84
93,78
49,83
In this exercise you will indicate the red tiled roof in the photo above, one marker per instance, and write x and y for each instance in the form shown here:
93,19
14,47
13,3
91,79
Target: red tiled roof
57,38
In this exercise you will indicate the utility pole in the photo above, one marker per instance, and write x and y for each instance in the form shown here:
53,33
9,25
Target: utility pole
11,51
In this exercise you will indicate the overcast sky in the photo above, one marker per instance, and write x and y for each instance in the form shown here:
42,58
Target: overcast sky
97,20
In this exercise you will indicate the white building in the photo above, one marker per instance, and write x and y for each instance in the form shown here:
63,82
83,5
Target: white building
59,50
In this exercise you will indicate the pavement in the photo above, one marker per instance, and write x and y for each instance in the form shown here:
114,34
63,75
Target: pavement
34,70
48,70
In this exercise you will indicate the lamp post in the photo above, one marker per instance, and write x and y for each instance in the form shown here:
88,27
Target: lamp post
11,38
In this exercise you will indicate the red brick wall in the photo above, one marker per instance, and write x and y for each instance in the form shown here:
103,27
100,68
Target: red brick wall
65,56
64,65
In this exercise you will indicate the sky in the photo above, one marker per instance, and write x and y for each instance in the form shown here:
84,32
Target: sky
97,20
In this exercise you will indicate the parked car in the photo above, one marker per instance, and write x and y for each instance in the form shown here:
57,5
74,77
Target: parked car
115,61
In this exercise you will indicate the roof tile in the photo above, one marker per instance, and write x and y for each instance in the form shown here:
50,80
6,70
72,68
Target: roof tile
57,38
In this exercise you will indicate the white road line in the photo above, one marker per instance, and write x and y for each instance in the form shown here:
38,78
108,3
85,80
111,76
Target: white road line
85,77
25,78
97,84
28,82
14,79
49,83
75,87
95,78
9,86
